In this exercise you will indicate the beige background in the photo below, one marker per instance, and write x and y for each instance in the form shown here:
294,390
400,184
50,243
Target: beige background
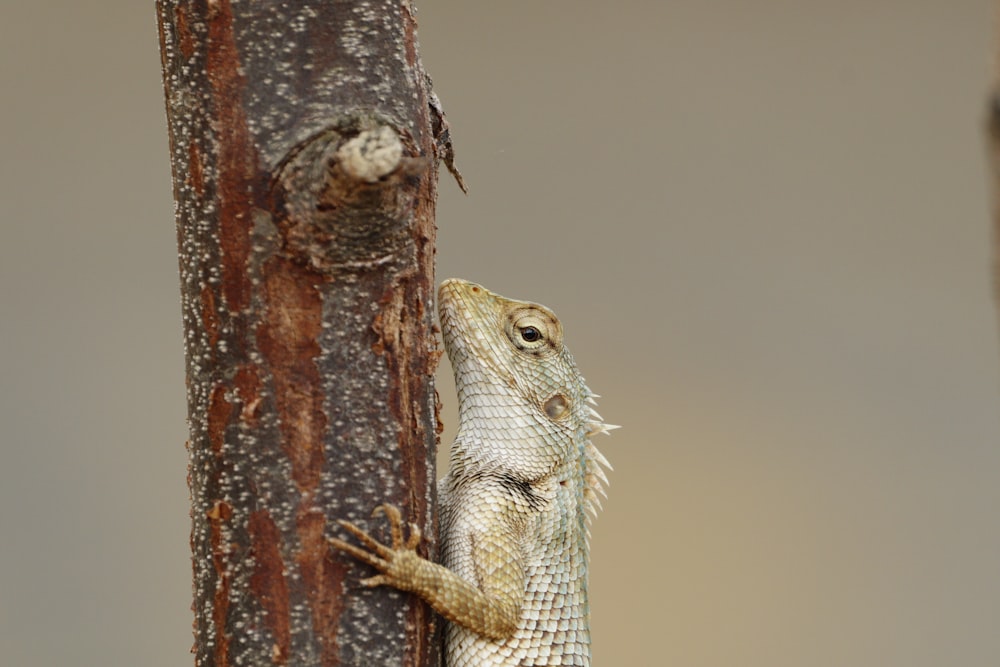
764,224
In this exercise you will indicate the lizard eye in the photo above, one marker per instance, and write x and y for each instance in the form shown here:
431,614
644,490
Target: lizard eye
533,330
530,334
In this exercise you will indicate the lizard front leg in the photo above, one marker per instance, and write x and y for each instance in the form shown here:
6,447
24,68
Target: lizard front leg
491,609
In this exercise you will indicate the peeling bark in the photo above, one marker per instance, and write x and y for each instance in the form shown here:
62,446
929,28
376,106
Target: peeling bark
304,142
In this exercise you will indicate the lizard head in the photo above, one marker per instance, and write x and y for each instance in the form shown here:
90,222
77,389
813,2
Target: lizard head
509,347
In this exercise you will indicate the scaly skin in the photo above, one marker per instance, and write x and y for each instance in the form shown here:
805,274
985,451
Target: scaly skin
514,539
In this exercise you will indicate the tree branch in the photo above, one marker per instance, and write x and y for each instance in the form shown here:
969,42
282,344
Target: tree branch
304,143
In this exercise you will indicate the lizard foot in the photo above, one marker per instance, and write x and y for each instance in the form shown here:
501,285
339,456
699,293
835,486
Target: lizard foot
396,563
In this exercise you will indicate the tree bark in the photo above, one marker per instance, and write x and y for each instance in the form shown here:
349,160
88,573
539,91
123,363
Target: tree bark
304,141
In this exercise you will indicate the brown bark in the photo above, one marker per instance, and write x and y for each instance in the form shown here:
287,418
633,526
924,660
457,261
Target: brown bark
304,142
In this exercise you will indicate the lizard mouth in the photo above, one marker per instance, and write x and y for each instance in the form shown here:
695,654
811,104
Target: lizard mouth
455,305
458,313
468,312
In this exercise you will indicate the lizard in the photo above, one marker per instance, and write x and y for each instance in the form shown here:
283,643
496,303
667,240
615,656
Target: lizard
516,503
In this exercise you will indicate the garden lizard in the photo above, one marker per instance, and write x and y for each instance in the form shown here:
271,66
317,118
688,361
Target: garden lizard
514,505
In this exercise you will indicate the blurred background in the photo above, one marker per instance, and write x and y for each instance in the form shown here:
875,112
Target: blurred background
765,227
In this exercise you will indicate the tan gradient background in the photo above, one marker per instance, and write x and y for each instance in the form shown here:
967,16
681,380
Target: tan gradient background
764,224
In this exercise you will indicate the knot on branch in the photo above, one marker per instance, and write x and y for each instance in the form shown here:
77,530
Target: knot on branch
371,155
346,195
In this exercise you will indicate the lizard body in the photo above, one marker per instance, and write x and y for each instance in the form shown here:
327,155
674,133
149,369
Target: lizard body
524,475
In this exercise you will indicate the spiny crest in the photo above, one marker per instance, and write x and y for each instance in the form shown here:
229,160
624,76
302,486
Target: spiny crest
594,478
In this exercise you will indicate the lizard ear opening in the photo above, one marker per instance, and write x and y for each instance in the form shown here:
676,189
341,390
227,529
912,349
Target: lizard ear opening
557,407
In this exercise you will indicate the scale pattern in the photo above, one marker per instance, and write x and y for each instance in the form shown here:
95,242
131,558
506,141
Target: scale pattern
515,504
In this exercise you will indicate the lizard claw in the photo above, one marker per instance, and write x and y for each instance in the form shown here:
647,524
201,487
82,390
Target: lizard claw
396,527
395,518
377,580
415,537
386,559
